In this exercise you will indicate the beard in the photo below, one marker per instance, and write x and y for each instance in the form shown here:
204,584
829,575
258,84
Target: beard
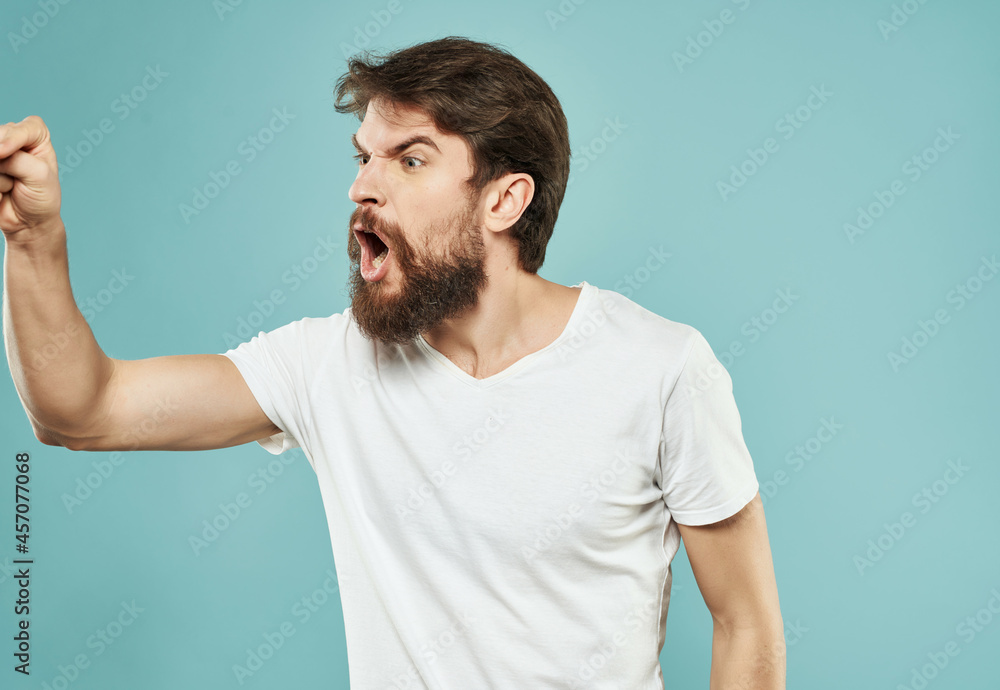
430,288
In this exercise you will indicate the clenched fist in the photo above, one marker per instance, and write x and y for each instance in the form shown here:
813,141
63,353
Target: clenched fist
29,179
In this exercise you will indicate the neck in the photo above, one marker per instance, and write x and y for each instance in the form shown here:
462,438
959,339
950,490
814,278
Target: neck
517,313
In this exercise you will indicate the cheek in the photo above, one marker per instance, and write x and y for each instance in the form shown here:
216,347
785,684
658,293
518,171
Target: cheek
425,206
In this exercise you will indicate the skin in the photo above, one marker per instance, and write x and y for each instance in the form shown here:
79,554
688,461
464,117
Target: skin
732,565
516,313
84,400
73,394
432,287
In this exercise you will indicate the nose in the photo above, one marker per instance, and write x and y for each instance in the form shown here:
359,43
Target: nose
366,190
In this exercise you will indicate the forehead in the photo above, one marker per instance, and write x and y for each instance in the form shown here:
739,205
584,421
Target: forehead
383,113
386,125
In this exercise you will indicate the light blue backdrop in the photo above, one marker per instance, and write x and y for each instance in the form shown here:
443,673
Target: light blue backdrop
859,228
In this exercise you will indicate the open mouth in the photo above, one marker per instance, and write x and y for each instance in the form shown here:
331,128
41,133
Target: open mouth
378,248
374,252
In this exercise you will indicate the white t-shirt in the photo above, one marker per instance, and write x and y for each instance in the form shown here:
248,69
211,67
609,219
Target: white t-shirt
515,531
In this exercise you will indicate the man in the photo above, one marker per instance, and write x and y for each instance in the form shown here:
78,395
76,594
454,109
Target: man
508,465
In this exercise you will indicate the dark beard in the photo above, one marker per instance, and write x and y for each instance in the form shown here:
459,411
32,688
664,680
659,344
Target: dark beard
431,288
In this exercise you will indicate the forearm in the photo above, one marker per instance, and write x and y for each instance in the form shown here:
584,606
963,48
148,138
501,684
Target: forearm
747,659
57,366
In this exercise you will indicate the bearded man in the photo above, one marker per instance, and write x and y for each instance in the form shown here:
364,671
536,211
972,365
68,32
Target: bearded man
508,465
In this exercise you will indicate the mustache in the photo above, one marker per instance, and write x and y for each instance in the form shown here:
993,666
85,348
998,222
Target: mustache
370,221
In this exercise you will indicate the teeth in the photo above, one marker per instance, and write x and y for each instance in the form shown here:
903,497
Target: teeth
377,261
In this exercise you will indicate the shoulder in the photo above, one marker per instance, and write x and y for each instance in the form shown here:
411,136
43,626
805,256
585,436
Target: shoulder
303,338
645,330
310,327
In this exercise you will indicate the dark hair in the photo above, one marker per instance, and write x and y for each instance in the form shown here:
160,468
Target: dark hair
508,115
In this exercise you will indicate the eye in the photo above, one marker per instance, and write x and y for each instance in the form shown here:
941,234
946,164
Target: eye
358,157
411,158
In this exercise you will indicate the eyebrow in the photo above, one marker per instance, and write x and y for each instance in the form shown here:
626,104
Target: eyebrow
402,146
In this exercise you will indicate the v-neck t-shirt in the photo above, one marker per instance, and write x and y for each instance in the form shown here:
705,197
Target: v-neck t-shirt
515,531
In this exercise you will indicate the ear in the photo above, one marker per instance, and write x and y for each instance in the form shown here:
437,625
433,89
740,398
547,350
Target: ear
506,199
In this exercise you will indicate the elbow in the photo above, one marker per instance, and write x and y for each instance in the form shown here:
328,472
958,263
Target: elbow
49,438
765,626
52,438
764,638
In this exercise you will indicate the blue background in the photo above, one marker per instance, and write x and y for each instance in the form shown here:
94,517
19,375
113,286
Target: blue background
651,183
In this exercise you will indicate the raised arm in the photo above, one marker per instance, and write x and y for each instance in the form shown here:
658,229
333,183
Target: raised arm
75,395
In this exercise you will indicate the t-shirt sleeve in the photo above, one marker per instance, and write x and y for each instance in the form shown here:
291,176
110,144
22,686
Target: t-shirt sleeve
272,364
706,471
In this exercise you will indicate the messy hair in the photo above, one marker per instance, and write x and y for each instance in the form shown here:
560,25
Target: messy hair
506,113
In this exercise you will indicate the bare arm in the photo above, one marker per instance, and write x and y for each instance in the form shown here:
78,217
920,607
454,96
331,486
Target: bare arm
178,402
74,394
732,564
